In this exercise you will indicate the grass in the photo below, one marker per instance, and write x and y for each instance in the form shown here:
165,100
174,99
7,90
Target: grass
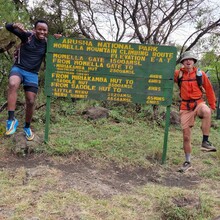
118,141
127,139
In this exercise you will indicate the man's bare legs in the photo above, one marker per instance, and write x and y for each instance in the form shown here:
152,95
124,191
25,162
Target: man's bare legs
187,149
12,123
30,100
187,143
205,114
29,110
13,86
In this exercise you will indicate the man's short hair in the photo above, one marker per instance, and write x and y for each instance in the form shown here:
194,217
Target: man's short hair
40,21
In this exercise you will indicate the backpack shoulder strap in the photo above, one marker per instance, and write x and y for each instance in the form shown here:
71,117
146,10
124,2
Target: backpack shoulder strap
199,80
180,76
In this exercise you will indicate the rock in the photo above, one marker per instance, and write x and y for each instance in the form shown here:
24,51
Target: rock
174,118
19,144
22,147
95,113
214,125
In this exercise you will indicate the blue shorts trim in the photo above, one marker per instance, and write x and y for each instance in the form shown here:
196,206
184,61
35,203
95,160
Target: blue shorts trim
29,79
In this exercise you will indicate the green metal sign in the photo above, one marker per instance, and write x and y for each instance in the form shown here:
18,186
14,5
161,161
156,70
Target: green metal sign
112,71
90,69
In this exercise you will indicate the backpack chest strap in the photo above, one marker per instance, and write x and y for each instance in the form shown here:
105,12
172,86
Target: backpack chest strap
191,100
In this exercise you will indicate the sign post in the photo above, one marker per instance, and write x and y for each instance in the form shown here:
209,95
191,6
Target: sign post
112,71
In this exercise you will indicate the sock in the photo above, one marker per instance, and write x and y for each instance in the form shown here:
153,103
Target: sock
11,115
27,125
187,156
205,138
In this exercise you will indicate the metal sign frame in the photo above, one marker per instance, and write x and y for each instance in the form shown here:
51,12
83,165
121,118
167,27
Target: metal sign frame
112,71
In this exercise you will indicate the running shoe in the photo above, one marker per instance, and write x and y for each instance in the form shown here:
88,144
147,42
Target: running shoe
185,167
28,134
11,126
208,147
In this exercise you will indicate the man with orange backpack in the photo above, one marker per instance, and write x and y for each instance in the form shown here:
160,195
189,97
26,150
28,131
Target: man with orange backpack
194,84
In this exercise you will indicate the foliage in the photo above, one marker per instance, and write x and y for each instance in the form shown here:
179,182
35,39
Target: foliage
59,18
10,12
211,61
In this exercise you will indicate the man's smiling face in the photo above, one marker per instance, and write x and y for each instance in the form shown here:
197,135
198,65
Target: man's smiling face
188,63
41,30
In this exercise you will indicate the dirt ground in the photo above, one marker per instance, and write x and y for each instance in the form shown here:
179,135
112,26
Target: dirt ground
100,180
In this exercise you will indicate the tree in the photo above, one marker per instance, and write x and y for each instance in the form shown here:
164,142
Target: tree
9,13
59,18
211,61
144,21
138,21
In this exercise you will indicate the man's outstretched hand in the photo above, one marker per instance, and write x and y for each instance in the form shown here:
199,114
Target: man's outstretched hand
57,36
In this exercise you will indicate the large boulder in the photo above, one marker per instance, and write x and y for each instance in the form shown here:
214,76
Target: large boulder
174,118
22,147
94,113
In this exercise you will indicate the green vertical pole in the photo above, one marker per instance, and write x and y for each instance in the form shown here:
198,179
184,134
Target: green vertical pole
46,135
166,134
